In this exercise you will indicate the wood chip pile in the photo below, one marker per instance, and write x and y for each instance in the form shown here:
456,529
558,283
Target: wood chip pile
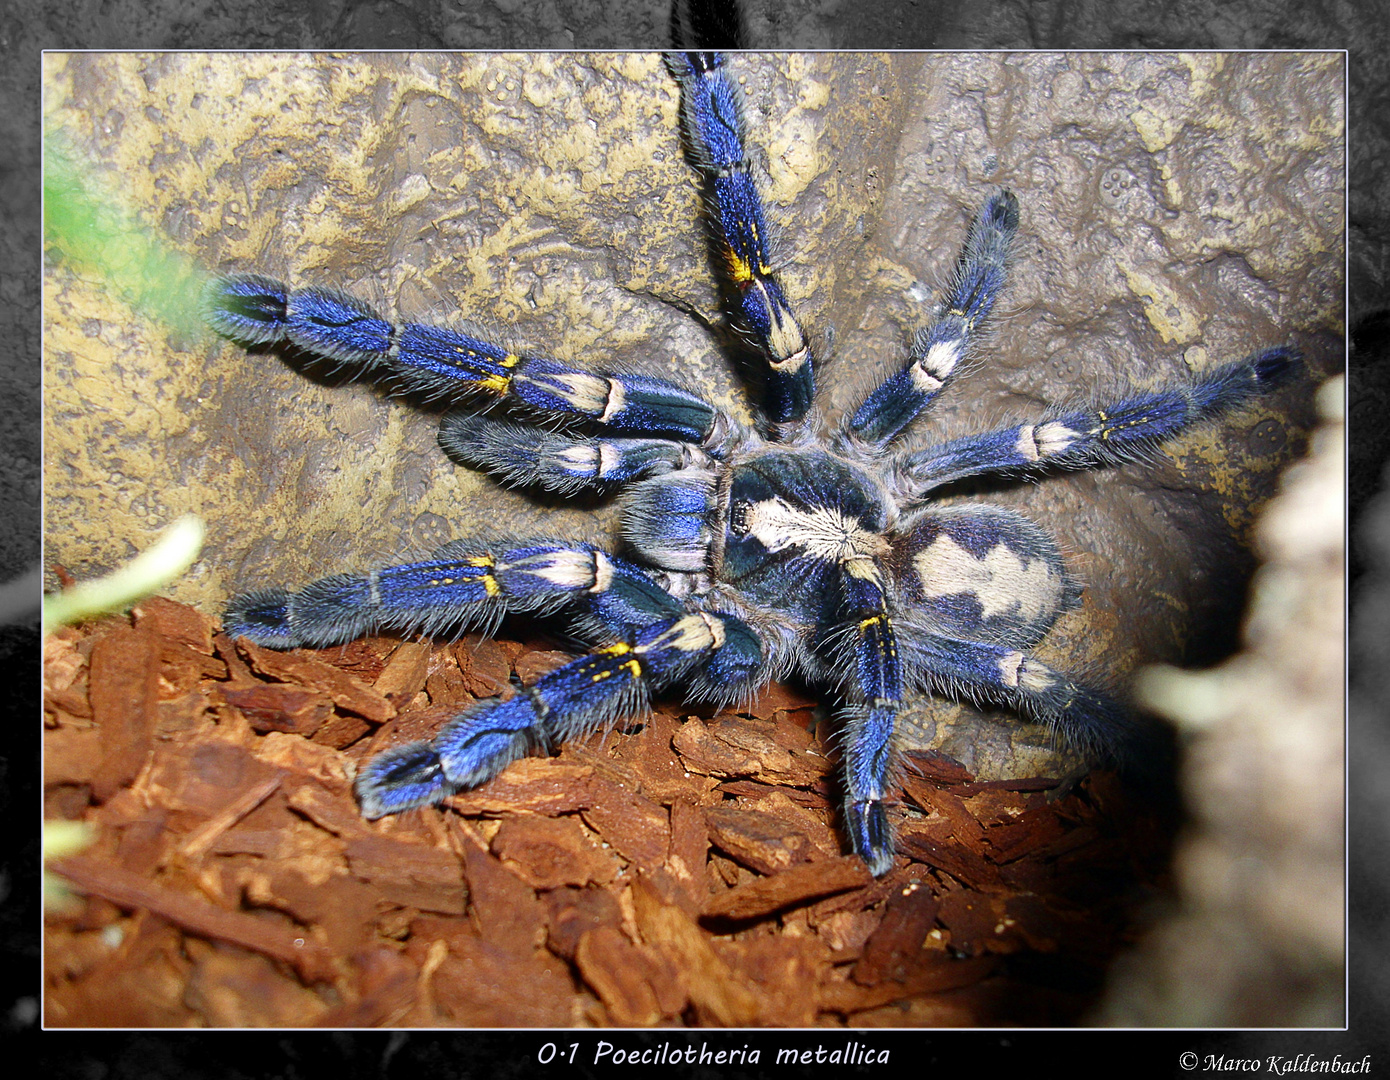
684,869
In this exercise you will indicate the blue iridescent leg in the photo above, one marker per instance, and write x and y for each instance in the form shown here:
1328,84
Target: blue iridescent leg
859,623
533,457
714,127
258,310
464,584
1085,719
938,350
1110,435
611,682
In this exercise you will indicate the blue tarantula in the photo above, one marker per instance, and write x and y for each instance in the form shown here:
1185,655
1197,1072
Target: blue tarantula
747,555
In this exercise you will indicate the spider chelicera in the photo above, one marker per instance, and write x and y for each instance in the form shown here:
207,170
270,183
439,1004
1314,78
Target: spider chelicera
746,554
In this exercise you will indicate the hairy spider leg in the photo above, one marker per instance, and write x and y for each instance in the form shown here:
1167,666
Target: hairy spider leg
409,357
613,681
554,461
860,611
938,349
464,584
713,117
1109,435
1091,722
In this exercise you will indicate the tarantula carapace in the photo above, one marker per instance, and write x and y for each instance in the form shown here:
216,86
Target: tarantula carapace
746,555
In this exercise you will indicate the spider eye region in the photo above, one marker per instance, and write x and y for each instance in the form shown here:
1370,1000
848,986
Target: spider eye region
800,514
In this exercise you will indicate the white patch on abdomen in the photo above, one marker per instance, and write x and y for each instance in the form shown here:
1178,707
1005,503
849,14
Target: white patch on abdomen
999,580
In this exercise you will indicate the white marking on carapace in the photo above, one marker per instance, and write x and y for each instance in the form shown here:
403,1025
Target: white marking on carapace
822,530
1000,580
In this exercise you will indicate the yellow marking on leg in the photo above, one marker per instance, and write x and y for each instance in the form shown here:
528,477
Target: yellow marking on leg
619,648
490,585
886,625
496,384
738,268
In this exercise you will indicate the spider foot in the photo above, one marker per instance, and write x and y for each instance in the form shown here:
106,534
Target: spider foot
1112,735
250,308
263,616
870,834
402,779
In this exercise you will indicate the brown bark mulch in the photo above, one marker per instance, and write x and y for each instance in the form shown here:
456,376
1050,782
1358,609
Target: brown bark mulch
684,869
